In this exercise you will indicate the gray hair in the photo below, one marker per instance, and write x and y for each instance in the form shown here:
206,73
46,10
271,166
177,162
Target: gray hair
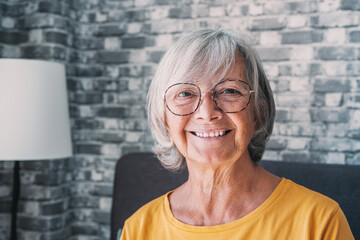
212,52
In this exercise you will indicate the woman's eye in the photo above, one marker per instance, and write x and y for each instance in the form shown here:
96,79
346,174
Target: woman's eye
185,94
231,91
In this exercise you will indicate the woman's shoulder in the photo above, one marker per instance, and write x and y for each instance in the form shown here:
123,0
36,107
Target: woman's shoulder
152,209
303,205
301,196
146,218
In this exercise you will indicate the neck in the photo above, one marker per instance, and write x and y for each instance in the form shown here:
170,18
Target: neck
213,181
221,193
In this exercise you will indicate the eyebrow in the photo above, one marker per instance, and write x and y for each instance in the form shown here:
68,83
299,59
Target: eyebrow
216,83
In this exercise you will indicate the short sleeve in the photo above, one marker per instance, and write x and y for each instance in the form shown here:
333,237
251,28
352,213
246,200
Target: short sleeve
123,233
338,227
118,234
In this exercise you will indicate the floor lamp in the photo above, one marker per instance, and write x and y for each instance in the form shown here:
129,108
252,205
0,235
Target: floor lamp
34,116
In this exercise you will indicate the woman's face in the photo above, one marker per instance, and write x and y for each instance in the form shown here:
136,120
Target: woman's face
209,120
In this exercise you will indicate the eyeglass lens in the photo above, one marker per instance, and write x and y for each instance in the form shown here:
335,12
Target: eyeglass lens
230,96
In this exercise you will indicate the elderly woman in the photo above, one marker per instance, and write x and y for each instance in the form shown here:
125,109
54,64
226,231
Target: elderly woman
211,110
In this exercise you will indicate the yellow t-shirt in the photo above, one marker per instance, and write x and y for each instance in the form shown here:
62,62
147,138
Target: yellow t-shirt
291,212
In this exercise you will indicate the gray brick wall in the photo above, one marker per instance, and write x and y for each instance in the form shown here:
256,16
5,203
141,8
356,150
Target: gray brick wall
311,53
38,30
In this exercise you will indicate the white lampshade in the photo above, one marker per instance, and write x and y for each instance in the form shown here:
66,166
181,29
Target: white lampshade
34,114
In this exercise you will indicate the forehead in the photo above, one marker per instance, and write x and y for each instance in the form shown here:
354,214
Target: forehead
237,71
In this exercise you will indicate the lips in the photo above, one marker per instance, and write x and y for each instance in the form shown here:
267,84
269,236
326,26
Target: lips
211,134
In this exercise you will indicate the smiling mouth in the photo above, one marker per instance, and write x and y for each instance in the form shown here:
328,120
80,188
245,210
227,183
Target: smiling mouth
211,134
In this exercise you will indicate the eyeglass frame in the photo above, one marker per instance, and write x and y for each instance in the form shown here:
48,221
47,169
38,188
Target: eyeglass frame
212,96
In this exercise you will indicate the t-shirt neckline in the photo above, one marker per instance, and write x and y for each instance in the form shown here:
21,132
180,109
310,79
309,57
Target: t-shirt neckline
226,226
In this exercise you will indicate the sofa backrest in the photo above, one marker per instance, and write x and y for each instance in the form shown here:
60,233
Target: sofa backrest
139,178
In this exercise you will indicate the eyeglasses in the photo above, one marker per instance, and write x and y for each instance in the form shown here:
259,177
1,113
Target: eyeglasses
231,96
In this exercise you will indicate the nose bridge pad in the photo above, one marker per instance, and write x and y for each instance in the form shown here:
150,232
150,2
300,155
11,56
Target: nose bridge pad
214,99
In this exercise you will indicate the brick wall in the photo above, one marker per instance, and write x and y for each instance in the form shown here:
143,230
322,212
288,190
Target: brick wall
38,30
310,49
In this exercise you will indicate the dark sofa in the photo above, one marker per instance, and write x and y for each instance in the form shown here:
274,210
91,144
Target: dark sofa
139,178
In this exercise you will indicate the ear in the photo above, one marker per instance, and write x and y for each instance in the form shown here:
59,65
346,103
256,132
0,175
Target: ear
259,114
166,125
165,122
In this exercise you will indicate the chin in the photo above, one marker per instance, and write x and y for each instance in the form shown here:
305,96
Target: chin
212,157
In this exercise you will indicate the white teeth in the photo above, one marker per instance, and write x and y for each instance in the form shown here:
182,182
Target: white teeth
211,134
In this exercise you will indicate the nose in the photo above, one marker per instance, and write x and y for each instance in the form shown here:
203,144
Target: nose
208,110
